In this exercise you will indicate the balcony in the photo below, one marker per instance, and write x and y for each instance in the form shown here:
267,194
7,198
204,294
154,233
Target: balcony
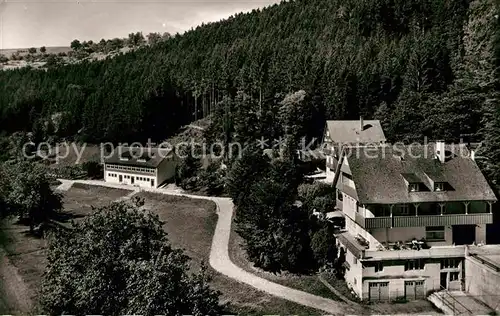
362,251
424,220
443,220
433,252
350,242
373,222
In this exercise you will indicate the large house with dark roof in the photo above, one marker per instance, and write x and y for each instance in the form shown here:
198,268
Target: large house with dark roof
138,166
410,213
348,133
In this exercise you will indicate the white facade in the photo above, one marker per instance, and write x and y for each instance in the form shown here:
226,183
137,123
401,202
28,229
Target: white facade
137,176
144,177
390,274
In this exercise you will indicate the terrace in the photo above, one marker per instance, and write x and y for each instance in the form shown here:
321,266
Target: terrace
410,249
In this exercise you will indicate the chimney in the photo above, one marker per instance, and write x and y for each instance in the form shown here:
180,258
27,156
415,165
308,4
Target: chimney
440,151
362,123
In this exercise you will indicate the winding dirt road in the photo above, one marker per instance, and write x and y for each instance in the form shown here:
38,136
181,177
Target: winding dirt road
219,254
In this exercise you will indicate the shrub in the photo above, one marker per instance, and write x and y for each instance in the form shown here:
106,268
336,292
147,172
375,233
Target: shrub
324,247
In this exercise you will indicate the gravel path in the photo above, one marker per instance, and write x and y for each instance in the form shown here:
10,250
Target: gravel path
220,261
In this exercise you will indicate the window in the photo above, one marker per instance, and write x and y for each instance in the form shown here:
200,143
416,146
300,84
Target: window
379,266
450,263
354,260
417,264
413,187
405,209
438,187
434,233
339,195
454,276
355,281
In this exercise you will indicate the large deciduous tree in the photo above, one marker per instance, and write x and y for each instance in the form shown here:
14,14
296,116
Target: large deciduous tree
29,194
119,261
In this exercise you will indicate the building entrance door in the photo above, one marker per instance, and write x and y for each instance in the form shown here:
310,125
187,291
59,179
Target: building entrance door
152,183
120,178
379,291
464,234
444,280
132,179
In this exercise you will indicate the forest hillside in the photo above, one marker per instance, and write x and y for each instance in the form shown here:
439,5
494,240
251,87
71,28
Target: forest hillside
424,67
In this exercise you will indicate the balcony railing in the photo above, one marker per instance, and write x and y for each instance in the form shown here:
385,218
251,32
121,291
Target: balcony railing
433,252
424,220
443,220
378,222
352,244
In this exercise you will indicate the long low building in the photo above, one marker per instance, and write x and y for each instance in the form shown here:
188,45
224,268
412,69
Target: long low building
146,167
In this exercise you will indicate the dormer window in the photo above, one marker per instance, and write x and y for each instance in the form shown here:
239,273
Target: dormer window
439,187
413,187
413,182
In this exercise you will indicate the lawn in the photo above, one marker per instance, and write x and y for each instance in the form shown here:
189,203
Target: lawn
25,261
190,225
80,198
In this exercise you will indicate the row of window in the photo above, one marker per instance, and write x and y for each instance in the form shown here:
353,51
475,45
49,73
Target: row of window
138,178
450,263
419,264
126,168
114,175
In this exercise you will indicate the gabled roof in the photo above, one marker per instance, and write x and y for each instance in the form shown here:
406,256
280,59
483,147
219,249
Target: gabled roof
377,174
137,157
349,132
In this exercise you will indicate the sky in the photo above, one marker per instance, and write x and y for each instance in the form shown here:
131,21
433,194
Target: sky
36,23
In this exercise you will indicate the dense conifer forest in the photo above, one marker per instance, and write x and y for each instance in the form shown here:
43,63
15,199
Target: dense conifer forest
424,67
